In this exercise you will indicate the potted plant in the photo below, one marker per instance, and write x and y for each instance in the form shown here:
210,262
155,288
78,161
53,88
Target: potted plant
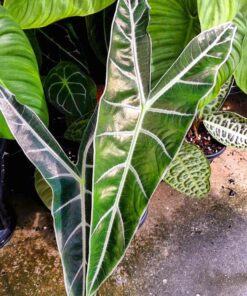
132,142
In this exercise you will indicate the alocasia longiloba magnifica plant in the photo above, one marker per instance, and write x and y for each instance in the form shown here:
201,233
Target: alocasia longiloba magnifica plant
133,151
140,129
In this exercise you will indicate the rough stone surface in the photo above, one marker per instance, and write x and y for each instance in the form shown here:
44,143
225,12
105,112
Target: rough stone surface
186,247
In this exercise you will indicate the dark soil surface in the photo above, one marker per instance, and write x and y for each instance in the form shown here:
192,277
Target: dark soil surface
204,141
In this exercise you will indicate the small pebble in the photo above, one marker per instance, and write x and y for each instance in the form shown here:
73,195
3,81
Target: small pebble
232,193
164,281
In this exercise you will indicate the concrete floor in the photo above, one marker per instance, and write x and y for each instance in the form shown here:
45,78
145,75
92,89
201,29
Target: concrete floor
186,247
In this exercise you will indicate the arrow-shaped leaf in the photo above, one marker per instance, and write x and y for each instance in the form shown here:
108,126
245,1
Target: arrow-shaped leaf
228,128
140,131
70,184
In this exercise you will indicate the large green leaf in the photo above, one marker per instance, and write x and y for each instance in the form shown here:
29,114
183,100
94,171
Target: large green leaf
215,12
172,26
19,70
40,13
190,172
70,90
140,131
70,184
228,128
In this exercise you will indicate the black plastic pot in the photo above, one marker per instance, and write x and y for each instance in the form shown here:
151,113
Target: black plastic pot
7,221
211,157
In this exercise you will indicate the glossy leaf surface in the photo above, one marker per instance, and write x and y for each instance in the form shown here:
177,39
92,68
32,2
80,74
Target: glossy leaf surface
228,128
70,184
70,90
189,172
19,70
40,13
173,24
140,131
